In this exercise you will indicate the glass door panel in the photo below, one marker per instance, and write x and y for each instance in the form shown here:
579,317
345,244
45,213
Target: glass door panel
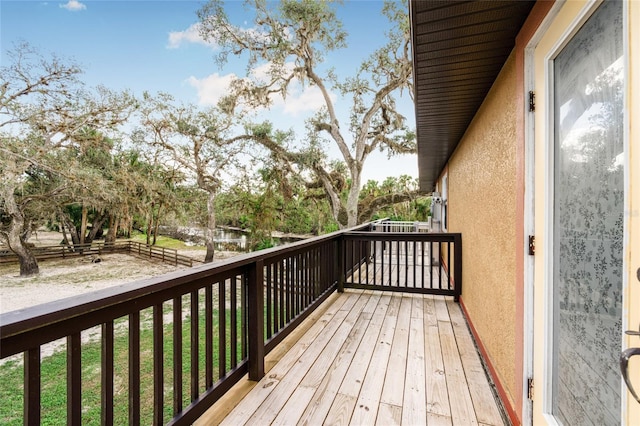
588,221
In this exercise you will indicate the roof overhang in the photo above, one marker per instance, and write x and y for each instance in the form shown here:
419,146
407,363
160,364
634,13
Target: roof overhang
459,47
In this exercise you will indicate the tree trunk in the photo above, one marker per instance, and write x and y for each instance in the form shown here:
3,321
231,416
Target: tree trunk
96,227
156,225
209,234
83,224
68,223
353,198
12,237
110,238
28,262
63,229
149,225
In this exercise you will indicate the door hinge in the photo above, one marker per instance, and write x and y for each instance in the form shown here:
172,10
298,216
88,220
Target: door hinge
532,101
532,245
530,388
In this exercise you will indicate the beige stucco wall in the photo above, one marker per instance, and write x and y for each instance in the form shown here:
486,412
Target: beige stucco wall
482,206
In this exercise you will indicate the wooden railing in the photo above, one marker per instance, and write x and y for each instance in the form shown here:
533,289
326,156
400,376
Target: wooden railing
170,346
410,262
165,255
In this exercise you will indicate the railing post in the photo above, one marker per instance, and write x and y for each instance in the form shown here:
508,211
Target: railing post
255,294
32,382
457,266
341,272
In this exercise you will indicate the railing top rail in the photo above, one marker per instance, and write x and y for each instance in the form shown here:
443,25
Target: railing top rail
404,236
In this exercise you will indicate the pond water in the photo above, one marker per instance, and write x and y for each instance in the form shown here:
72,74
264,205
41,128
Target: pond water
225,239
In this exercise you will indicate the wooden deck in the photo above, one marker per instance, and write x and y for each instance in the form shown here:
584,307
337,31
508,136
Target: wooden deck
368,358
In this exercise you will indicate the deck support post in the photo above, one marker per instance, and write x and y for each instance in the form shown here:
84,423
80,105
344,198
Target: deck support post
457,266
255,294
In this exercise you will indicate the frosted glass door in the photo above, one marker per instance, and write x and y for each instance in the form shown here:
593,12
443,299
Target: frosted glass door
588,217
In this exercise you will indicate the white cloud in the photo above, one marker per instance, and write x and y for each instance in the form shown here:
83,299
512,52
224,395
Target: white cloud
299,100
74,6
309,100
190,35
211,88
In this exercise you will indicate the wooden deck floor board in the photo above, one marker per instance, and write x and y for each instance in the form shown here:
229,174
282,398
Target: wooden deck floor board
393,389
332,333
380,358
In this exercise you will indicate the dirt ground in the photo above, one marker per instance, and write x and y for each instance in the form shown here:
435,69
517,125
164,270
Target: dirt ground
62,278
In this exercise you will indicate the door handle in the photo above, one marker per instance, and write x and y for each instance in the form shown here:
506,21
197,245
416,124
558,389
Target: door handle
624,368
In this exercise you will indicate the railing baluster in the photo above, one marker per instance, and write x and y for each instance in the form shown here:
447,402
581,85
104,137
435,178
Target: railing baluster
208,336
234,324
276,298
440,266
375,262
431,264
295,284
422,263
269,302
288,288
282,296
177,355
195,365
342,266
391,262
406,263
414,263
158,365
302,284
244,321
382,247
449,265
107,373
397,263
310,274
74,379
222,328
134,368
298,284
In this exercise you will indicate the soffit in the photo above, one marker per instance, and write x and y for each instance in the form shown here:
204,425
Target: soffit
459,48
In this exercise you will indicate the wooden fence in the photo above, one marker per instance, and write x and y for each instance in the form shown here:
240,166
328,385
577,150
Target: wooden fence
134,248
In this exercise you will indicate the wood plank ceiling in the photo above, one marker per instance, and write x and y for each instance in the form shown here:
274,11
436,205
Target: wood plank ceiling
459,48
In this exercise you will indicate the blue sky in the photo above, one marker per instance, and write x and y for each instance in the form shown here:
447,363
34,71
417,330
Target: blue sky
153,46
